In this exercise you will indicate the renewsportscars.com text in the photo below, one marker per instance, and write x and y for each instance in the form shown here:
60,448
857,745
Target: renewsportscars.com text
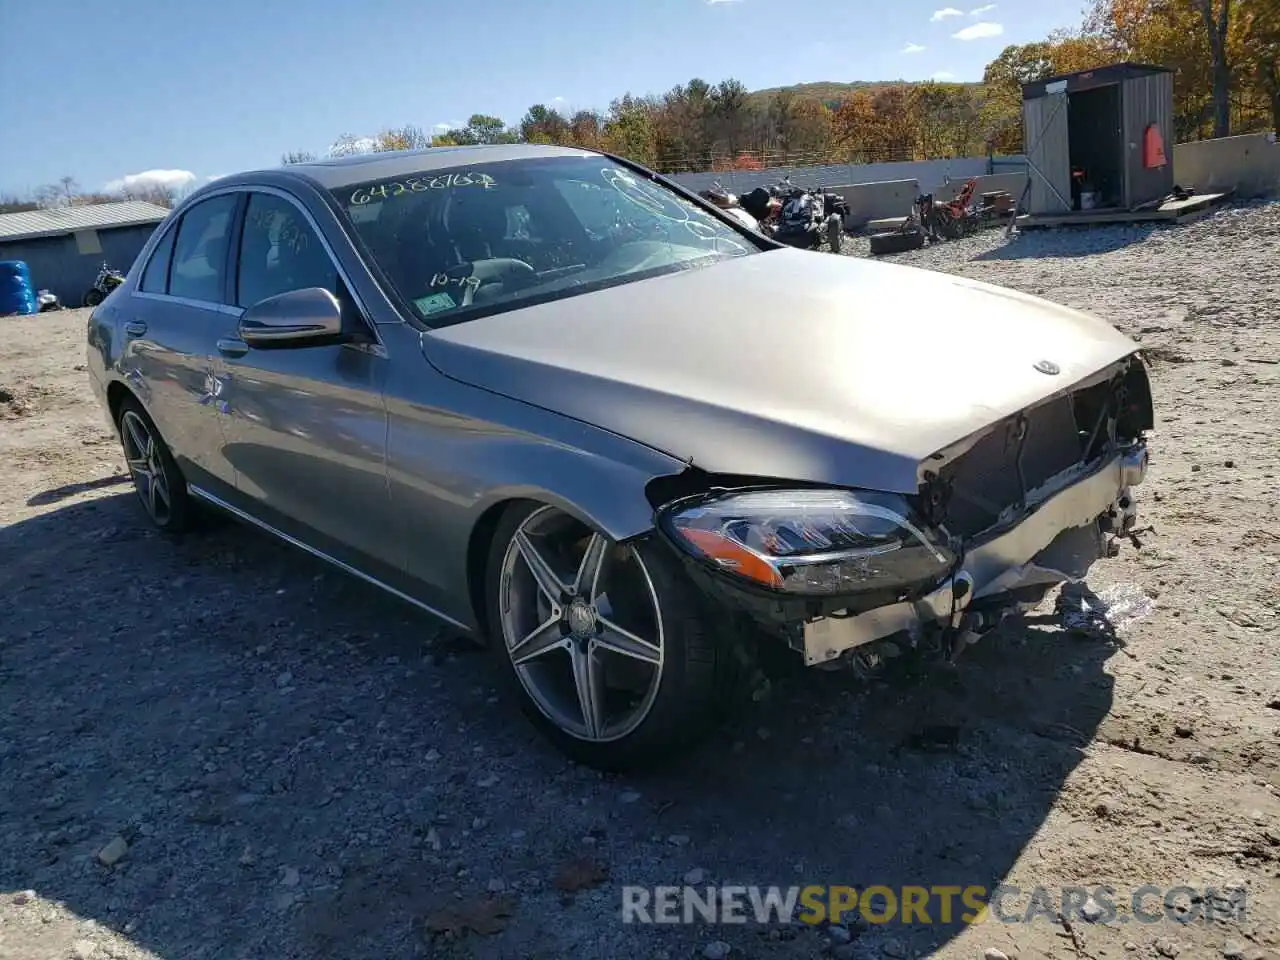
945,904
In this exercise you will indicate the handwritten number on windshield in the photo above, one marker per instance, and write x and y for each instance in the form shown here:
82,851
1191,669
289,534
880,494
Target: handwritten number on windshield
443,280
395,188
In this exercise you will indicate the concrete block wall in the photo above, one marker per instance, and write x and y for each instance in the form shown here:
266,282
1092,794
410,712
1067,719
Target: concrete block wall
930,174
1249,165
872,201
1012,183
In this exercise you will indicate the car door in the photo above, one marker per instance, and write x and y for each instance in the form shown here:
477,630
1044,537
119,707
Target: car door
306,425
171,323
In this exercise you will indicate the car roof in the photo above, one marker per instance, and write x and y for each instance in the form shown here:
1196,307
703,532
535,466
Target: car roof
360,168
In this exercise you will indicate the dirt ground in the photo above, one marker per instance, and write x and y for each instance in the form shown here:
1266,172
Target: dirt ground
280,762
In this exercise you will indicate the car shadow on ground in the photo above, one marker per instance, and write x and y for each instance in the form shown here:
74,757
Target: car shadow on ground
1048,242
58,494
302,767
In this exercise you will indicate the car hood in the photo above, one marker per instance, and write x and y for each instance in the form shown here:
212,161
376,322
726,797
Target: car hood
787,364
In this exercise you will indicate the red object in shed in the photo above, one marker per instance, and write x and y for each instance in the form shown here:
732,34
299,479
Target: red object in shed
1153,148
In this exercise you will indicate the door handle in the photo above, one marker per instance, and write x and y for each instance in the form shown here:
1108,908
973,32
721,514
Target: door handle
232,347
135,328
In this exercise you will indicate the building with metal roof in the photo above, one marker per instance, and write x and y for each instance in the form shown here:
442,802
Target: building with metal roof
64,246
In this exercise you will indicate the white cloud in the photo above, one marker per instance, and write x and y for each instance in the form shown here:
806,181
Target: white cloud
944,13
449,125
913,48
348,145
981,10
557,99
713,3
943,75
171,180
978,31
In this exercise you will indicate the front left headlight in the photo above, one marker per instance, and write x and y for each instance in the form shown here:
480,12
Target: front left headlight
817,542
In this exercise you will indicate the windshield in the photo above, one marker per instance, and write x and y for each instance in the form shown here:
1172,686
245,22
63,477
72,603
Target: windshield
474,240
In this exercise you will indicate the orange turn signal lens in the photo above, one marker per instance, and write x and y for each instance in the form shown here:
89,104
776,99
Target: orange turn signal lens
732,556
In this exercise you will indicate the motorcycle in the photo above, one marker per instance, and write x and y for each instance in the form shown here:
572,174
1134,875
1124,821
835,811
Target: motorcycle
46,301
107,280
798,217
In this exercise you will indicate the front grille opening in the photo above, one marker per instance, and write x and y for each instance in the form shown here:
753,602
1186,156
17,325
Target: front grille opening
1059,434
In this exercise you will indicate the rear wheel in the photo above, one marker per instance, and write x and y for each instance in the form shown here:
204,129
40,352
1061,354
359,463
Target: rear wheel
607,647
156,477
93,297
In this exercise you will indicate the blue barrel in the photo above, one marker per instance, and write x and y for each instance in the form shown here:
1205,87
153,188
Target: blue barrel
16,293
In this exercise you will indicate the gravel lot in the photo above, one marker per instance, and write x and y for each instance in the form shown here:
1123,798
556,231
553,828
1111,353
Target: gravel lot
280,762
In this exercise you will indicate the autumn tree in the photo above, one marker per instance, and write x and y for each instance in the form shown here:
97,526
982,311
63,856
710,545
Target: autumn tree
1260,51
1221,52
1000,111
804,127
543,124
585,129
728,118
1216,15
401,138
13,203
629,130
480,129
948,117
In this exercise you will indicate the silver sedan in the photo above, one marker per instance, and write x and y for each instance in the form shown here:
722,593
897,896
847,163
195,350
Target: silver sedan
574,410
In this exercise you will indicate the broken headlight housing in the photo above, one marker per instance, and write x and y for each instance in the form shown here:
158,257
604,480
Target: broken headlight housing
811,542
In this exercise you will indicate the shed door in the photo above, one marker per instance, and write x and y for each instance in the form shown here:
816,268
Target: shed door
1048,153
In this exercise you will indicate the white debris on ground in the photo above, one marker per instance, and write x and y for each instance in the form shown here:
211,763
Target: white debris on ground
1114,609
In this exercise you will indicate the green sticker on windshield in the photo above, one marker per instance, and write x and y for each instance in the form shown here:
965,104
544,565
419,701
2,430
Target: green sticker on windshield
435,303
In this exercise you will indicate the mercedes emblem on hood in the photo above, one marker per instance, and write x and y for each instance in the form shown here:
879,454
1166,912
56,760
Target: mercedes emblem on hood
1048,367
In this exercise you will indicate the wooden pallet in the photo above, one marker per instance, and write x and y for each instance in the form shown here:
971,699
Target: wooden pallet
1171,211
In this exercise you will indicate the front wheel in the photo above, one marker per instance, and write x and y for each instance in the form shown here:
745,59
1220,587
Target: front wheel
835,232
93,297
608,648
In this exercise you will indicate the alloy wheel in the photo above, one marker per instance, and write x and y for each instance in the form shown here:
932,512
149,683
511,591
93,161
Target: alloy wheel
582,626
142,452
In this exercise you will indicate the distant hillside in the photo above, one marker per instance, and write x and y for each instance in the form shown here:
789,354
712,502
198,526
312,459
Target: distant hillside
829,91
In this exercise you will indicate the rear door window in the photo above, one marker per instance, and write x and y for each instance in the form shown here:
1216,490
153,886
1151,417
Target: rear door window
199,270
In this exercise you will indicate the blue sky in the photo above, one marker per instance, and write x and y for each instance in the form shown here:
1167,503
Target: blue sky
198,89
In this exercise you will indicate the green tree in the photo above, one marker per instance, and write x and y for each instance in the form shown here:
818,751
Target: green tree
543,124
629,130
482,128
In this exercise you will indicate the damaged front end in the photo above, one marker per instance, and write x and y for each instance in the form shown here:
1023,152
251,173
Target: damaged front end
850,577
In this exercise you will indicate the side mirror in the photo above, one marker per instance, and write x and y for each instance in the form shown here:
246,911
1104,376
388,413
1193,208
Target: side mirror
298,318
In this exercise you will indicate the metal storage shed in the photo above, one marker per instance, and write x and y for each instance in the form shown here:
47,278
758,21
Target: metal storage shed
64,246
1102,132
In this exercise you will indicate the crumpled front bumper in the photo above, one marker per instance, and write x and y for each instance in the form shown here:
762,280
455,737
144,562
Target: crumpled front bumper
1060,520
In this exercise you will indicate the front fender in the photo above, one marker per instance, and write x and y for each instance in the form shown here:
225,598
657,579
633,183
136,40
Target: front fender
451,463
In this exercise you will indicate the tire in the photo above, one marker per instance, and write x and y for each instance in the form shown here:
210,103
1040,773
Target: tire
895,241
698,677
93,297
835,232
146,463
